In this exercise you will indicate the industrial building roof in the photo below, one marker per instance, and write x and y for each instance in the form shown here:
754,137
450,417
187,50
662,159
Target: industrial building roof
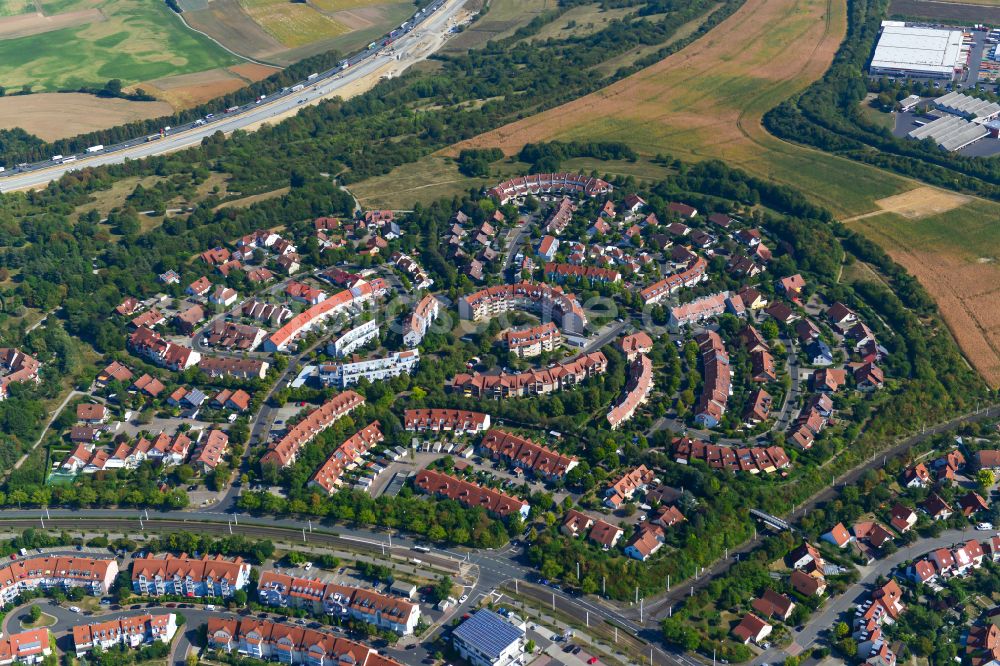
965,105
950,132
918,49
488,632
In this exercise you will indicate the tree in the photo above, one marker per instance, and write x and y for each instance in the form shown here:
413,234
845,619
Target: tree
191,660
841,629
35,613
529,647
986,479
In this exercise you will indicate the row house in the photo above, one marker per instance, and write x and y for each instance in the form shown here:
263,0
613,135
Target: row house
274,315
575,523
385,612
457,421
285,451
692,274
470,494
26,647
114,372
522,453
755,460
237,368
561,272
626,487
150,319
129,632
549,183
557,377
230,335
209,576
409,265
94,575
705,308
944,562
340,302
346,457
560,216
149,344
718,385
551,302
637,390
289,644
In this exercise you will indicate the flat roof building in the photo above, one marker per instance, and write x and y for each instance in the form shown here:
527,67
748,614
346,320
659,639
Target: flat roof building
911,51
950,132
488,639
967,106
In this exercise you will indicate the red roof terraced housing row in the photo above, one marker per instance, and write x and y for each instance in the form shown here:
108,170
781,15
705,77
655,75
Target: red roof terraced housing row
558,377
448,420
290,644
548,183
640,384
285,451
469,494
527,455
327,477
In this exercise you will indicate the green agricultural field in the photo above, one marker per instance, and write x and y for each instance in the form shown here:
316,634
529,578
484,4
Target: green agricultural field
15,7
131,40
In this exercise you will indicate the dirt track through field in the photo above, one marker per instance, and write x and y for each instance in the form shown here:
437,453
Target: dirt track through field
917,203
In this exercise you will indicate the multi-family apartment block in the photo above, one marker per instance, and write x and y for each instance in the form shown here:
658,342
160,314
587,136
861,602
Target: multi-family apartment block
209,576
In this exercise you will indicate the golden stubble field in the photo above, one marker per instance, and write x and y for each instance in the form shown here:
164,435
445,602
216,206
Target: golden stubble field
707,101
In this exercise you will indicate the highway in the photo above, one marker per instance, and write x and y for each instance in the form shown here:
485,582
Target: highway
428,32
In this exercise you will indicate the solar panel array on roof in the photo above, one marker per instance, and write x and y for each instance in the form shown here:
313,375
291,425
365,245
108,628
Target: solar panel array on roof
950,132
488,632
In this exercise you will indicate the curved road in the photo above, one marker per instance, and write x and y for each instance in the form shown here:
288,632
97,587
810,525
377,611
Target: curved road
420,40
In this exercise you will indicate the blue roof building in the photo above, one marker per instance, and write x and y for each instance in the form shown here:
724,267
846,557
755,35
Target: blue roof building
488,639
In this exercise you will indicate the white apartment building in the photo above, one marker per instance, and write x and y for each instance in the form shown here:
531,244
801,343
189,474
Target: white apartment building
347,374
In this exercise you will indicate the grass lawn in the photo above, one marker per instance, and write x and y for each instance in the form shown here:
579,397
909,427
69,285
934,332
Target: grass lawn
15,7
292,24
880,118
580,21
45,620
138,41
502,19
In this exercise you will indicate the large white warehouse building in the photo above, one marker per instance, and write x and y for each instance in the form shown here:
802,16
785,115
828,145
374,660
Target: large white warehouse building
920,52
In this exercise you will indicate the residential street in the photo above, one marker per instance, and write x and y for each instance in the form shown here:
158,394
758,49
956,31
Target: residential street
831,612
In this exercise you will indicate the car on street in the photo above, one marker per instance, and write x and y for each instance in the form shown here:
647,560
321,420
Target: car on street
464,598
592,660
982,527
75,609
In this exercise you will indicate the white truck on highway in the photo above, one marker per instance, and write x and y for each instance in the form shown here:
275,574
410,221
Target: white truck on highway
298,87
96,149
56,158
312,76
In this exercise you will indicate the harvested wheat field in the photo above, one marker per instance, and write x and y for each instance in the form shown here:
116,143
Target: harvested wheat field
24,25
52,116
956,257
917,203
707,101
187,90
